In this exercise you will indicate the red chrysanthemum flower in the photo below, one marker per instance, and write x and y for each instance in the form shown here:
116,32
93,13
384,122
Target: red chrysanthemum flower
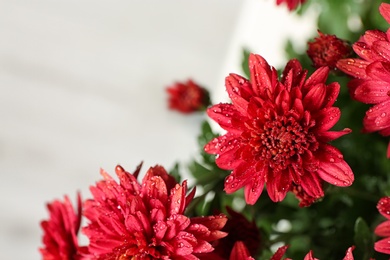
239,229
60,231
277,132
188,97
383,229
291,4
371,83
129,220
327,49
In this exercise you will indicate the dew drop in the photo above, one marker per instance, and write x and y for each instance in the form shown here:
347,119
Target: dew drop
229,179
331,160
383,114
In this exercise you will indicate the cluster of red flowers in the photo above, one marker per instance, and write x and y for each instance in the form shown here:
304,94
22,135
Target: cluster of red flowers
277,137
132,220
371,73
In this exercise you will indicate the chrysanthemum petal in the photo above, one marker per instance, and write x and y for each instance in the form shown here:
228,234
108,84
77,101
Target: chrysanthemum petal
240,251
338,174
332,135
254,188
384,9
349,255
383,246
372,91
224,114
379,71
278,185
382,48
377,117
279,253
383,207
239,177
311,184
309,256
260,74
365,52
329,153
353,67
383,229
318,77
237,87
327,118
315,97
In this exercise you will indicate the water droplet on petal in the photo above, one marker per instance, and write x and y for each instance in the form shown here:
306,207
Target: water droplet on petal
331,160
229,179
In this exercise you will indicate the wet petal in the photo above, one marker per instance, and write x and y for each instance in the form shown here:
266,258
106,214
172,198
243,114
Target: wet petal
382,48
383,246
253,188
279,253
278,185
234,86
240,251
353,67
372,92
377,117
383,229
327,118
384,9
318,77
312,185
315,97
338,174
224,114
384,207
332,135
260,74
348,254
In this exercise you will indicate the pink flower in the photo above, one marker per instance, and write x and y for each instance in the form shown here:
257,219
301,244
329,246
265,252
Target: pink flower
277,132
327,49
383,229
60,231
188,97
131,220
371,83
291,4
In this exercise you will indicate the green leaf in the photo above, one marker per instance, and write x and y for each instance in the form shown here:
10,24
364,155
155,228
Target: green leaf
175,172
363,238
245,62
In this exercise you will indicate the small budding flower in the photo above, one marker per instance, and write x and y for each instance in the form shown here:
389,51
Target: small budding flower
327,49
291,4
188,97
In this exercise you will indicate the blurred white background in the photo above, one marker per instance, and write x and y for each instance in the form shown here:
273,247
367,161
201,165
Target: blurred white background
83,87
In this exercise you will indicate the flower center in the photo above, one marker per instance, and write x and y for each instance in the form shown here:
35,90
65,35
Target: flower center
280,140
